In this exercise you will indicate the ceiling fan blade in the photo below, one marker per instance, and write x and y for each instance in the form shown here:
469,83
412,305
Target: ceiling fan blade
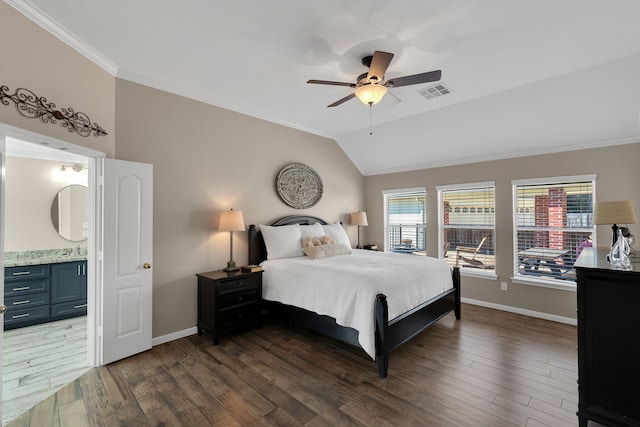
342,100
379,64
415,79
329,82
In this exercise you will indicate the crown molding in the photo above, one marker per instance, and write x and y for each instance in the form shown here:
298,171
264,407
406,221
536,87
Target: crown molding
52,26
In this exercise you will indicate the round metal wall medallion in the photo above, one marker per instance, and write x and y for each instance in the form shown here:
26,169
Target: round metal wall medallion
299,186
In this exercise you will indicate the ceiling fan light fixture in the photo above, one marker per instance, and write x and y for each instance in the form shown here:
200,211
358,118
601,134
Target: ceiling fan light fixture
371,94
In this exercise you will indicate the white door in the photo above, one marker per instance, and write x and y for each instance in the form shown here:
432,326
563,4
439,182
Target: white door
126,259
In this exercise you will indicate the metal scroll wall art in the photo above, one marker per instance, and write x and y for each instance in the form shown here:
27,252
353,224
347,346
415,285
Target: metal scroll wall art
32,106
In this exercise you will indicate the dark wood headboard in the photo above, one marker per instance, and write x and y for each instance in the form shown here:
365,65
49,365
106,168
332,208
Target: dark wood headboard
257,249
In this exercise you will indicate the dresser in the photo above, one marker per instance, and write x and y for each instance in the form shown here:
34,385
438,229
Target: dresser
228,302
608,341
45,292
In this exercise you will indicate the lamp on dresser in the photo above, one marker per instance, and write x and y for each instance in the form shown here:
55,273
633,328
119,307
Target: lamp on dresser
616,212
231,221
359,218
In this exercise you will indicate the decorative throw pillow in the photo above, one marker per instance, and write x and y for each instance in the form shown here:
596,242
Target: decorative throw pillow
282,241
327,240
310,241
337,233
325,251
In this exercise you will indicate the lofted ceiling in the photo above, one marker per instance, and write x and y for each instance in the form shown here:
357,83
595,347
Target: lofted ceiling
525,76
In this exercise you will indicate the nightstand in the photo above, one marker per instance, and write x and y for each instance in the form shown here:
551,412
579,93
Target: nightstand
228,302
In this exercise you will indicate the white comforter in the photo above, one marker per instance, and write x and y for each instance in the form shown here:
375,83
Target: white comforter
345,286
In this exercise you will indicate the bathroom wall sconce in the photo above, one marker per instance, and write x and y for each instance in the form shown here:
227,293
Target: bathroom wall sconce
76,167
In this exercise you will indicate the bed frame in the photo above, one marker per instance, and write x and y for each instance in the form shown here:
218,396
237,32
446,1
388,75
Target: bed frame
389,334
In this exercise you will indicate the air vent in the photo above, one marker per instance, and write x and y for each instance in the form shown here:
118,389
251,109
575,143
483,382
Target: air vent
435,91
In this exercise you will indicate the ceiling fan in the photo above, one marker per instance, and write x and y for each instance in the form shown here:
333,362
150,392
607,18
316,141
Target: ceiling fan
370,87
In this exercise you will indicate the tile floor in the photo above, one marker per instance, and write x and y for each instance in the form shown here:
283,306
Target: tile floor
39,360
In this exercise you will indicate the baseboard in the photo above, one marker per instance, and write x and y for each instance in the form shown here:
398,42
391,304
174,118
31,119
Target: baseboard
516,310
174,336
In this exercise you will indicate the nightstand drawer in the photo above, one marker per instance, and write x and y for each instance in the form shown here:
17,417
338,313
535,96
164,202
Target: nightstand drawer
25,287
238,284
240,313
30,300
24,272
241,297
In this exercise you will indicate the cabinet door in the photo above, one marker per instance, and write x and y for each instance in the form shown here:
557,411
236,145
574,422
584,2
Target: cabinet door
68,282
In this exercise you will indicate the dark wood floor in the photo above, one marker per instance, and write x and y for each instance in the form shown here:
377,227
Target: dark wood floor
489,369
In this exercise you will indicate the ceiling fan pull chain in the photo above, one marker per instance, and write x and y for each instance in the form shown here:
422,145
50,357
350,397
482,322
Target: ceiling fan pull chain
371,118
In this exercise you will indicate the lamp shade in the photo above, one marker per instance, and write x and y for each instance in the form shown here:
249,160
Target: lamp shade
618,212
231,221
359,218
371,93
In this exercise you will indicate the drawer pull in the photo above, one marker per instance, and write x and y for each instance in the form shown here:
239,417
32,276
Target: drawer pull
21,302
80,306
239,282
21,273
23,288
239,298
19,316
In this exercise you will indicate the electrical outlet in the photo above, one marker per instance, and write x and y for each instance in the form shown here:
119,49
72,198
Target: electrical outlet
503,286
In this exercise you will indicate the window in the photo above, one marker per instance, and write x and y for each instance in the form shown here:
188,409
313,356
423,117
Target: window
467,225
552,223
405,220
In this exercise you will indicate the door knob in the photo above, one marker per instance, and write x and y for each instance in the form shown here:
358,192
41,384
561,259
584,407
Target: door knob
3,309
146,266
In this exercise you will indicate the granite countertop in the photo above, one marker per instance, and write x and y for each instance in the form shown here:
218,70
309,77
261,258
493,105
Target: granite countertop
46,256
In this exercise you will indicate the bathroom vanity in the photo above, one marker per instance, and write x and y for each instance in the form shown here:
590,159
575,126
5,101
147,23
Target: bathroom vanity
38,292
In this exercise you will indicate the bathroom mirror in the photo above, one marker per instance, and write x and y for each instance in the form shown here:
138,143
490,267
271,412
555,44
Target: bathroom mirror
69,213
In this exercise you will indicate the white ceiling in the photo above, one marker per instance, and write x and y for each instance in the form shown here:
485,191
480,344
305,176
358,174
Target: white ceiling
526,76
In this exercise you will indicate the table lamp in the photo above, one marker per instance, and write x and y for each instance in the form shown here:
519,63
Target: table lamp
617,212
231,221
359,218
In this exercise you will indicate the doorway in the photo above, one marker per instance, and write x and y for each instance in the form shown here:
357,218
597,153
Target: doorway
119,252
46,345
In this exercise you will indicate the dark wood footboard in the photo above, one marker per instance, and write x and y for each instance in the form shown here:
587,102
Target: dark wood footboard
391,334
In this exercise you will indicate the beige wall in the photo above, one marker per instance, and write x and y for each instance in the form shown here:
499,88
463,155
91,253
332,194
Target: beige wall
31,185
206,159
35,60
618,176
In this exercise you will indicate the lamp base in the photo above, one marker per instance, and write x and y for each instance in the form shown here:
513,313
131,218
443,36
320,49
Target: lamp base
231,267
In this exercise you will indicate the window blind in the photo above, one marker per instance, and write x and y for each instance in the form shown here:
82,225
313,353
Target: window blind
553,222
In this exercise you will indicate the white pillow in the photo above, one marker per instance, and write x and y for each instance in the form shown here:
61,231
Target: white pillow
324,251
284,241
313,230
337,232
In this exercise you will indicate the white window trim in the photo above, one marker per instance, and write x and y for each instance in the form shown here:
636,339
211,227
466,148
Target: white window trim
545,282
483,274
554,180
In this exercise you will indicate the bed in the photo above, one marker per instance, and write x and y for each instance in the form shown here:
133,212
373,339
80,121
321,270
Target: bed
389,328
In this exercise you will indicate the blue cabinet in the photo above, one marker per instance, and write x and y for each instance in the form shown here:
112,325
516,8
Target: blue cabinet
68,289
26,291
44,293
